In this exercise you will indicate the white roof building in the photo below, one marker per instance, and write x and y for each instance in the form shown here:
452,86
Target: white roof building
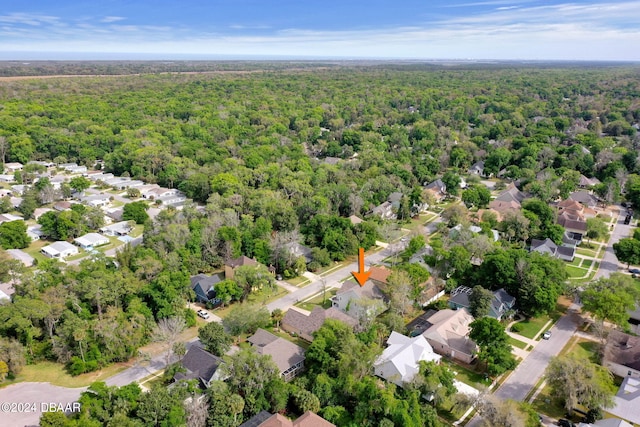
121,228
91,240
400,361
59,250
21,256
12,167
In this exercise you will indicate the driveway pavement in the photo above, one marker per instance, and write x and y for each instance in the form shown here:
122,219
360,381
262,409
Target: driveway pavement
610,263
22,404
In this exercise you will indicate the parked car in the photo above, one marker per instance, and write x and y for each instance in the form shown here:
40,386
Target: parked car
204,314
565,423
634,270
546,335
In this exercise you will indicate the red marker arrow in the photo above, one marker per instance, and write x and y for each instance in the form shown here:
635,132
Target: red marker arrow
361,276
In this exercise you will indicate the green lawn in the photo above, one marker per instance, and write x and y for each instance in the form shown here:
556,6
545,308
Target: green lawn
545,404
586,252
298,281
317,301
575,272
530,327
55,374
263,296
586,263
576,262
467,376
517,343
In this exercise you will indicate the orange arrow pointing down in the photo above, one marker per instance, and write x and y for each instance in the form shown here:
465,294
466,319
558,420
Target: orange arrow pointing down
361,276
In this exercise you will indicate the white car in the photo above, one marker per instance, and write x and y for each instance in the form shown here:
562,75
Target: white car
204,314
546,335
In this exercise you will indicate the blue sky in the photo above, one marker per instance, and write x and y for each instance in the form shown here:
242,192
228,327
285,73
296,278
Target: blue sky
420,29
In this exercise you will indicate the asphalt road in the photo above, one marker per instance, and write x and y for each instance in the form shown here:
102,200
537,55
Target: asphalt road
610,263
528,373
22,404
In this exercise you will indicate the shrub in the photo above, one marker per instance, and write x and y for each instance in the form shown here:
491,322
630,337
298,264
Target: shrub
516,327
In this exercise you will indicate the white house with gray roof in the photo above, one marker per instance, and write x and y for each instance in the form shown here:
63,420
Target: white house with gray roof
59,250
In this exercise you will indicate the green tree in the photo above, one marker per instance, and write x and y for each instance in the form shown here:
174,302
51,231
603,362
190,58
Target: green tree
628,250
493,343
13,235
596,228
79,183
246,319
480,301
610,299
451,180
577,381
135,211
214,339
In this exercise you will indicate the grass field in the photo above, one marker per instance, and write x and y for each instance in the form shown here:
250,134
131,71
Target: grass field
317,301
517,343
530,327
55,374
467,376
576,272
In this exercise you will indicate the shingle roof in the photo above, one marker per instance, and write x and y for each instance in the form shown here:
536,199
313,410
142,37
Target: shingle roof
379,274
199,363
314,321
257,419
451,327
623,349
240,261
284,353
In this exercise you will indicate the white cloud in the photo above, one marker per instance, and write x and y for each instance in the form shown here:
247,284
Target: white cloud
109,19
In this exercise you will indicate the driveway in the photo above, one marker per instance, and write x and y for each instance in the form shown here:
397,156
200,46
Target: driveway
22,404
610,263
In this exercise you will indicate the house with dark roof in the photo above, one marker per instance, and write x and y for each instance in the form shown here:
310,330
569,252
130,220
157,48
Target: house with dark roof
287,356
584,197
572,224
477,168
437,189
501,303
622,354
511,194
304,326
588,182
565,252
201,365
204,287
297,250
230,266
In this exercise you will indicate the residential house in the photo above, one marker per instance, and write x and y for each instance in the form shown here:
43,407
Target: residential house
304,326
565,252
634,320
230,266
573,225
477,168
265,419
622,354
41,163
65,166
384,211
114,214
395,198
18,190
400,361
495,234
9,218
297,250
7,178
130,183
575,209
57,180
588,182
509,200
62,206
76,170
59,250
437,189
584,197
287,356
4,192
177,201
35,232
448,333
501,303
121,228
358,301
204,287
97,200
38,212
379,276
91,240
21,256
159,193
201,365
627,401
12,167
